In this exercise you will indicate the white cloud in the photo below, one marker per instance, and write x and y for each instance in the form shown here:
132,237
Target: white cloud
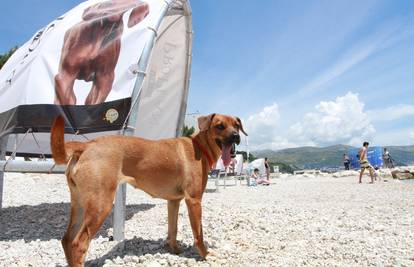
391,113
340,121
343,120
263,128
263,123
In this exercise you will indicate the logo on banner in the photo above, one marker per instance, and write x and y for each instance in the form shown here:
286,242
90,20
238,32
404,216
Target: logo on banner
111,115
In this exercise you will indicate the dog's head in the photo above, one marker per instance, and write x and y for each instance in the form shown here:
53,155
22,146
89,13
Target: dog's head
224,130
113,10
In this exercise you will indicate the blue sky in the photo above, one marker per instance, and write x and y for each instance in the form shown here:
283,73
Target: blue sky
297,72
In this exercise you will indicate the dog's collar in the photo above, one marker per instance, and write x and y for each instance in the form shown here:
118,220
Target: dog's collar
204,151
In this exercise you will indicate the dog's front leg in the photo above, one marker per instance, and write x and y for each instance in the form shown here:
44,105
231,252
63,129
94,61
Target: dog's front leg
194,211
64,94
173,207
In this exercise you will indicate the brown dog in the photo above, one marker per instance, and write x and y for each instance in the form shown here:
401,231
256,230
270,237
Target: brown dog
172,169
91,49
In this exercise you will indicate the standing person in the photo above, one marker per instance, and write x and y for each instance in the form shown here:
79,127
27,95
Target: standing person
363,161
387,159
267,169
346,162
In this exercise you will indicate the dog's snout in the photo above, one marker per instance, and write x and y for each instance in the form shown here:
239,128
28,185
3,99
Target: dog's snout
235,137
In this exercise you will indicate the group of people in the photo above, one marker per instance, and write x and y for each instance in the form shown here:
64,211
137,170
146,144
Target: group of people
364,163
256,178
386,157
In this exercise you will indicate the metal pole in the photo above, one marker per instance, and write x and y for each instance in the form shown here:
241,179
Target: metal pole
217,181
3,148
189,41
47,166
119,213
120,198
225,177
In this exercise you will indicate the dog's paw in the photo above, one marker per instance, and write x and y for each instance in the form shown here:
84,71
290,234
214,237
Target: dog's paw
175,249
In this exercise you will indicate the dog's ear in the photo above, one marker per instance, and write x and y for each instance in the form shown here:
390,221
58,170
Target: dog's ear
138,14
205,121
241,126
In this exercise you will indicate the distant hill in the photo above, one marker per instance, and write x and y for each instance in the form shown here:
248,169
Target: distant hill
327,157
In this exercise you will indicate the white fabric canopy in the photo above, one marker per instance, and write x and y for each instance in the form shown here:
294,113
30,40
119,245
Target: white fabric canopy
28,80
259,164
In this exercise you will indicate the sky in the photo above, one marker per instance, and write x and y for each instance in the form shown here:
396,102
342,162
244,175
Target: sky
298,73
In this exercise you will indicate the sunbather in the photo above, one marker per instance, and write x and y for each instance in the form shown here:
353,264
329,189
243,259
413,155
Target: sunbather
258,179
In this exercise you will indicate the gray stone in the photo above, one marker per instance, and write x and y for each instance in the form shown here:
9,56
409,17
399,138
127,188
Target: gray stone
402,175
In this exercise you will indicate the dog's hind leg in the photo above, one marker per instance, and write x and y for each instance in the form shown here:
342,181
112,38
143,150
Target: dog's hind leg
173,207
101,87
194,211
76,218
93,217
76,213
90,206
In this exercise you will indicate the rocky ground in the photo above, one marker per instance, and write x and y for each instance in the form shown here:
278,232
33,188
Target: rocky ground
302,220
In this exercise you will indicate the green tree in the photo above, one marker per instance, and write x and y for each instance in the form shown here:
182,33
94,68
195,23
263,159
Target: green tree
6,56
188,131
244,153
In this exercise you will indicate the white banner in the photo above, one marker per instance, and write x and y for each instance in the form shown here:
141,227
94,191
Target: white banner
85,57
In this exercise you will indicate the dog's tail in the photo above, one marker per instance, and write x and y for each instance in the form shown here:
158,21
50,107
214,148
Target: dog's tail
62,152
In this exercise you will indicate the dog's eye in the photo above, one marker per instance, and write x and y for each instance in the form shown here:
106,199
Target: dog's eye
237,126
220,127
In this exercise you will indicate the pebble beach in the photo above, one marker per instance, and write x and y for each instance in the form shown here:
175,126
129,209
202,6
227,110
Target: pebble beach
313,220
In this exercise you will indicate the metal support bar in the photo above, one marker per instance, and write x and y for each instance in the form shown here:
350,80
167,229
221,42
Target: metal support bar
31,166
217,182
3,148
189,41
120,199
119,213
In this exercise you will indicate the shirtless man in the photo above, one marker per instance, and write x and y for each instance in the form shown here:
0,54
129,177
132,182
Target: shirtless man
363,161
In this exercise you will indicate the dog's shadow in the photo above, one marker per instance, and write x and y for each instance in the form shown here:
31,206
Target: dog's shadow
139,247
47,221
